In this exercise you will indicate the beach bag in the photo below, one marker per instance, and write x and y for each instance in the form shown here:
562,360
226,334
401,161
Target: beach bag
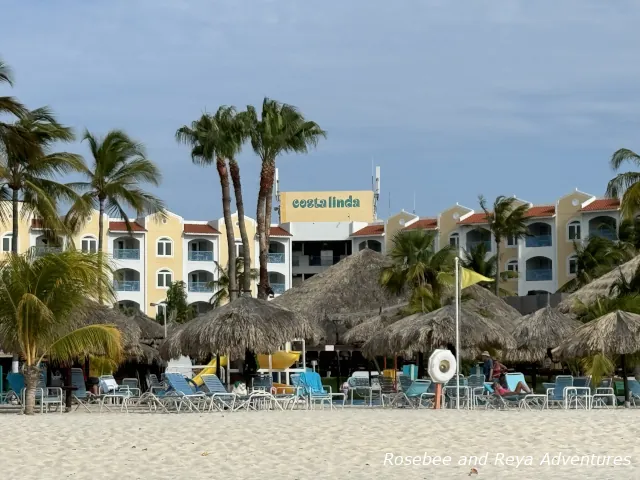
239,388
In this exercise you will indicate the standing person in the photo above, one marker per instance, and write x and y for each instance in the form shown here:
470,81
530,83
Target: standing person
487,366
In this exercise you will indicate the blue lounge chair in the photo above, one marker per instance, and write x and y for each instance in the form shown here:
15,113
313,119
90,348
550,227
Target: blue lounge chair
44,396
604,396
81,395
556,393
180,392
218,396
316,391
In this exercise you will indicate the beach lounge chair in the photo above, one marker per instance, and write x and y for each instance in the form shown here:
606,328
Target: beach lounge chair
604,396
45,396
217,395
16,386
527,400
477,391
450,392
180,393
132,385
634,390
415,392
556,394
154,384
388,392
112,393
360,386
317,392
81,395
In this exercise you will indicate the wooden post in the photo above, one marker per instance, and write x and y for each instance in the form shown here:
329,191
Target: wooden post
438,396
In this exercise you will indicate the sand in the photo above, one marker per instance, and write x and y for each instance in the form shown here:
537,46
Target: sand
349,444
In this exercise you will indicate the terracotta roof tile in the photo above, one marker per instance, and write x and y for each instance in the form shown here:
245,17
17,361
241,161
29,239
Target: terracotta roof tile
122,227
369,230
200,229
541,211
473,219
602,204
278,232
424,224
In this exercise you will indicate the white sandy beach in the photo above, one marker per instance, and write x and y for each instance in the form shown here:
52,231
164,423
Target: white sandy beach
349,444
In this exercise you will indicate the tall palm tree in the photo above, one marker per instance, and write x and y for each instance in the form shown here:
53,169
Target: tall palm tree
219,138
506,220
221,286
280,129
38,297
417,266
119,167
9,104
594,258
625,185
476,259
29,174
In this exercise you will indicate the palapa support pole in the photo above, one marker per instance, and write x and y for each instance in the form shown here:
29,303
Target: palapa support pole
437,405
625,382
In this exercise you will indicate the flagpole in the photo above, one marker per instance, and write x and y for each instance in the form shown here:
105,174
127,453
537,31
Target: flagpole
457,264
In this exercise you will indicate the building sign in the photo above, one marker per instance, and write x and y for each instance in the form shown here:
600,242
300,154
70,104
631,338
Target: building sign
355,206
329,202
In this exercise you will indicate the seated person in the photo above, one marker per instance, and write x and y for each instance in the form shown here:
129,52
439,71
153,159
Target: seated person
498,369
500,387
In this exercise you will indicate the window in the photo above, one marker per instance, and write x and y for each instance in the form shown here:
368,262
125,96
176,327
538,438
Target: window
89,245
574,230
454,239
512,266
239,250
6,242
512,241
573,265
165,277
165,247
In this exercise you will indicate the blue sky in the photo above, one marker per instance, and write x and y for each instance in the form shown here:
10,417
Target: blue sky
451,98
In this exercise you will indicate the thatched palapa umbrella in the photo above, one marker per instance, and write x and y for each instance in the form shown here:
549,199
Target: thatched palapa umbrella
244,324
341,293
366,329
424,332
537,332
483,302
616,333
600,287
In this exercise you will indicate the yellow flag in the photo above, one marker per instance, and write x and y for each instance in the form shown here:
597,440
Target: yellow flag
469,277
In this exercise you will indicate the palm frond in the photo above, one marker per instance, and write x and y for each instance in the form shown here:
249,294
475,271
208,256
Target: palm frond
102,340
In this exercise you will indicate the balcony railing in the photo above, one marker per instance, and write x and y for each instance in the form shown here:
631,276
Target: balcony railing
126,285
538,241
201,256
474,245
200,287
126,254
539,274
275,257
41,251
278,288
608,234
323,260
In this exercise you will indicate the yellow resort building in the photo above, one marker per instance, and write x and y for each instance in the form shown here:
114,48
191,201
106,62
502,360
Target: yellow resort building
316,230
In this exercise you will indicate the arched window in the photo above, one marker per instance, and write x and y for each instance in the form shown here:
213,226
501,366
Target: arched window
6,242
512,266
572,265
165,277
89,245
165,247
454,239
573,230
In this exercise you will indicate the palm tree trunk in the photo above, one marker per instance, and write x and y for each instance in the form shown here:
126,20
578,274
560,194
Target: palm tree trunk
15,202
31,377
223,172
101,202
497,282
265,184
268,209
234,168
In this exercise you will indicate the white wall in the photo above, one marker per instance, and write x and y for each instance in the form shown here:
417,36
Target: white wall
312,231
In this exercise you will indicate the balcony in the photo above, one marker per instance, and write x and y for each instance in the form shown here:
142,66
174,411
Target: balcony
203,256
201,287
275,257
126,285
42,251
604,233
295,261
278,288
474,244
126,254
539,275
538,241
323,260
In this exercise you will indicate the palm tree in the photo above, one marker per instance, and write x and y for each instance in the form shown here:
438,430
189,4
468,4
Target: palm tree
418,266
594,258
629,234
9,104
280,129
28,174
120,166
38,297
221,137
506,220
221,287
476,259
625,185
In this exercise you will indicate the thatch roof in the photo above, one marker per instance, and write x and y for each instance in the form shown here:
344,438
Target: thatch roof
92,313
616,333
426,332
149,329
146,354
483,302
366,329
539,331
599,287
244,324
332,298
